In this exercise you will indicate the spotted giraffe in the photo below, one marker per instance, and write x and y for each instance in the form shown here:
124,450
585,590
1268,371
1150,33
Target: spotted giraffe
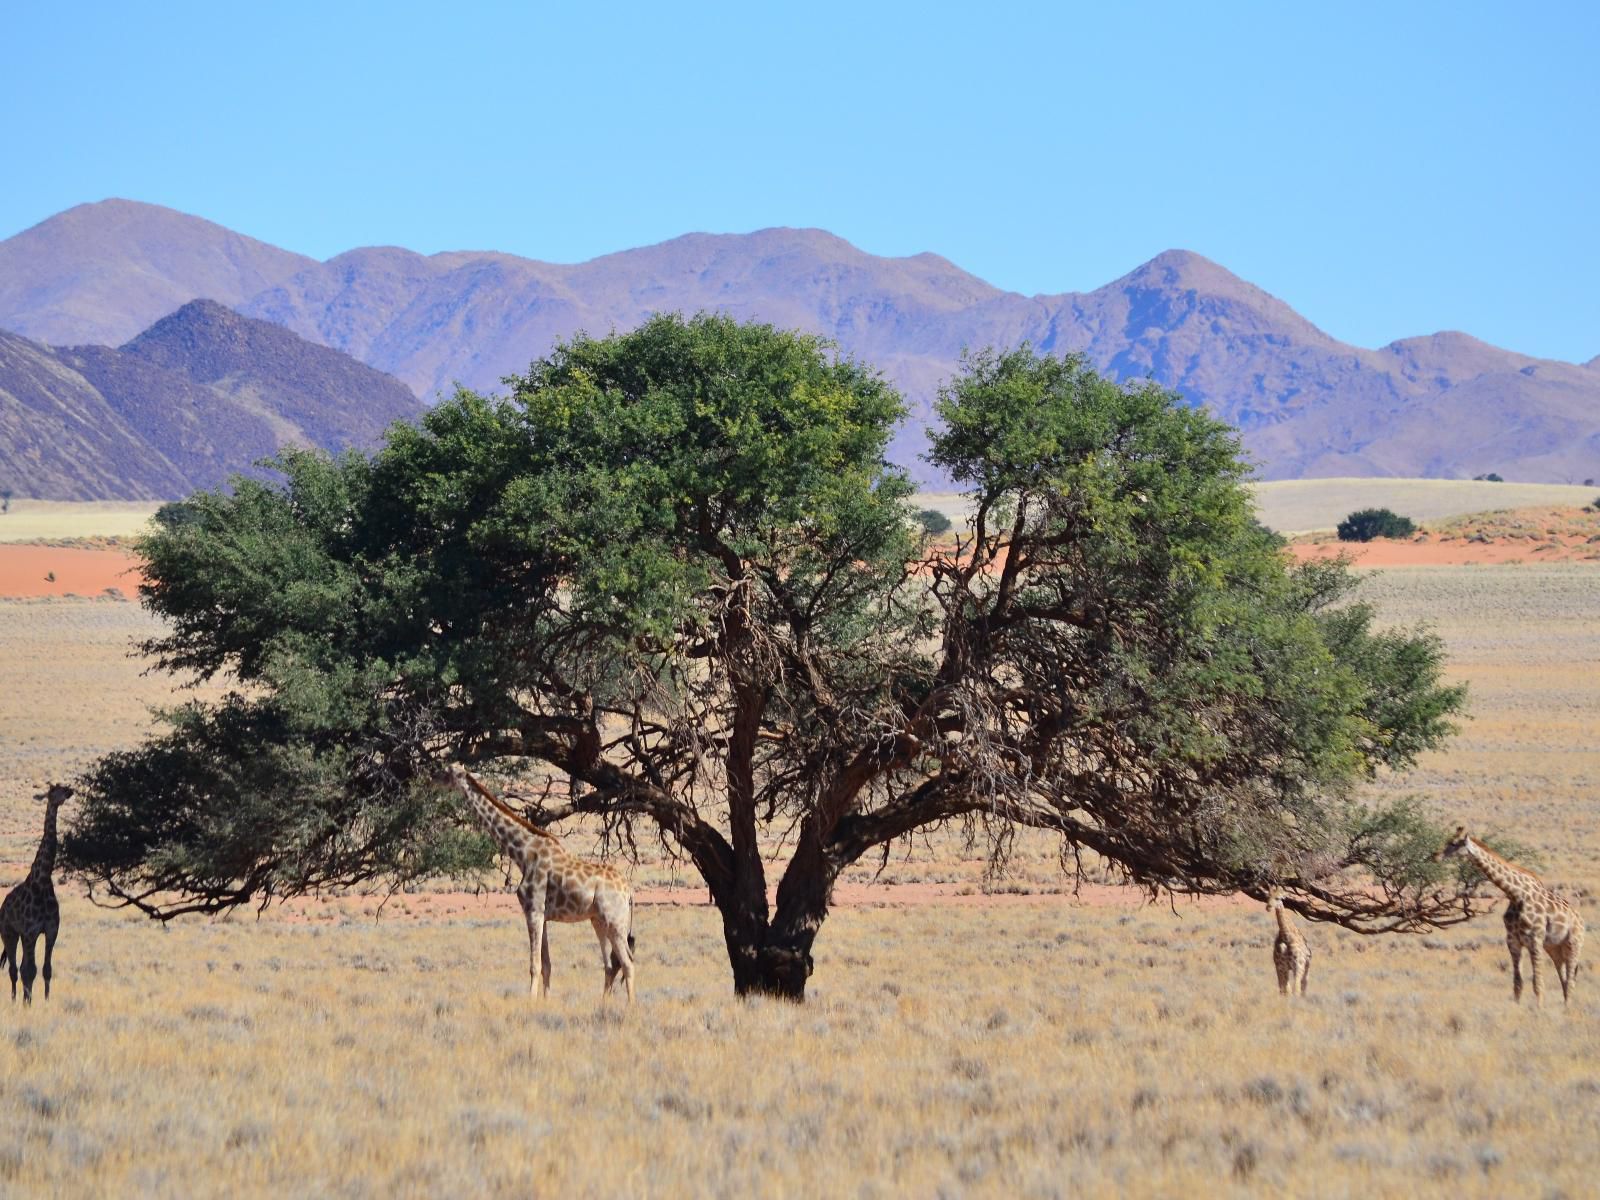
30,908
556,886
1536,917
1291,953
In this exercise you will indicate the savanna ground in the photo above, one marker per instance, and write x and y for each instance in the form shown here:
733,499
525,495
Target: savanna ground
964,1036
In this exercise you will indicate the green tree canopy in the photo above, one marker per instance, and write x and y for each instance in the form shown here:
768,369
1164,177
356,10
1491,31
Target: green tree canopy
673,573
1369,523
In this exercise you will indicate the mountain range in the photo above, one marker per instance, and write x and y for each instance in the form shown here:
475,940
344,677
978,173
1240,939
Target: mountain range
1307,404
200,394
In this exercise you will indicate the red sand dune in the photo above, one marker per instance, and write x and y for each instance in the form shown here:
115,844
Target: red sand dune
25,571
89,572
1386,553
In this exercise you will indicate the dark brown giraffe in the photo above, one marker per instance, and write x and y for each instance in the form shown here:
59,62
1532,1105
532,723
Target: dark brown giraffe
30,908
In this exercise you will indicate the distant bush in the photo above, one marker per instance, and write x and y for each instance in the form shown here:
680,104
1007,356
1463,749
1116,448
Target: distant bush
1372,523
1491,477
933,521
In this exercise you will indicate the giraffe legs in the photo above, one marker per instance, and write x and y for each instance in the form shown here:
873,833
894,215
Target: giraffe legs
1535,962
1514,944
51,932
544,957
615,956
1305,975
607,962
624,957
532,898
29,970
8,951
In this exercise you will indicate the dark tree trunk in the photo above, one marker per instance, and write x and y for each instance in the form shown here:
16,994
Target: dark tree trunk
774,958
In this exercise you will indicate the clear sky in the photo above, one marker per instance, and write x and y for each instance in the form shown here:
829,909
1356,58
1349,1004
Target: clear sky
1388,169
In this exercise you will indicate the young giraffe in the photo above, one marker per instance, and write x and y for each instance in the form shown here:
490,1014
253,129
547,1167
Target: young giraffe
30,908
556,886
1535,917
1291,953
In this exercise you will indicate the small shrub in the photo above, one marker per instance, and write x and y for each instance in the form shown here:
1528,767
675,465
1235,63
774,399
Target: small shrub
933,521
1491,477
1372,523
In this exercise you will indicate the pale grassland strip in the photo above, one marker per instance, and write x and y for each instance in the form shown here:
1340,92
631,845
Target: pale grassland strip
55,520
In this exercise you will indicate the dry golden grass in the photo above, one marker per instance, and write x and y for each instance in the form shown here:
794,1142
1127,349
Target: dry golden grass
1039,1048
1295,506
1039,1051
1301,506
63,520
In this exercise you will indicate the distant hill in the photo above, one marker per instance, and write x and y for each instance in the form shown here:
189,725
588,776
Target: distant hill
201,394
1308,405
99,273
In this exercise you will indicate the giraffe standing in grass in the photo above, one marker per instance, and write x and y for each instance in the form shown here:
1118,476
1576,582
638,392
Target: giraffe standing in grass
556,886
30,908
1291,953
1536,917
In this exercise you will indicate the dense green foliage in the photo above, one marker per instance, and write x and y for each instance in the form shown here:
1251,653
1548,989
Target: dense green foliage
1369,523
933,521
671,580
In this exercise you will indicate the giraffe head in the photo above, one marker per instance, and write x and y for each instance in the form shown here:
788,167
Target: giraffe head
55,795
1456,846
1274,900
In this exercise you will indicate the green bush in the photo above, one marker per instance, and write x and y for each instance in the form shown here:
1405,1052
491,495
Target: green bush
1491,477
933,521
1372,523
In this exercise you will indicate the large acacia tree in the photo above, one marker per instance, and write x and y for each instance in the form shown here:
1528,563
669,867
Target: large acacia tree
672,577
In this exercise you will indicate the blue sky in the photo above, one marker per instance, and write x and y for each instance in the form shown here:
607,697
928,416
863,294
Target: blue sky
1388,170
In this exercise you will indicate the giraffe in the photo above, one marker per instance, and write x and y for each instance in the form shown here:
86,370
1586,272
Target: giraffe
1291,953
556,886
30,908
1536,916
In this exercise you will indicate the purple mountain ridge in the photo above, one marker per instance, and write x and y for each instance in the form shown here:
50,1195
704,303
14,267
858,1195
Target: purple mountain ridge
1306,403
201,394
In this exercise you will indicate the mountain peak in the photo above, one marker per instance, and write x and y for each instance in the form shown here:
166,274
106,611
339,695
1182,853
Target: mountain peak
99,273
1185,269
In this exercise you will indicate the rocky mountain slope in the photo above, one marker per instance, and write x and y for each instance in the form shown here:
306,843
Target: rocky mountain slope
1308,405
204,392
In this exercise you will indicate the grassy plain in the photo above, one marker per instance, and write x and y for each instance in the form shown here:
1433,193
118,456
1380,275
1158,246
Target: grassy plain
1298,506
1294,506
65,520
1038,1047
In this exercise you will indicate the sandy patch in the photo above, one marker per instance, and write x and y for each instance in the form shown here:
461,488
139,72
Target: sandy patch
25,572
1455,553
498,905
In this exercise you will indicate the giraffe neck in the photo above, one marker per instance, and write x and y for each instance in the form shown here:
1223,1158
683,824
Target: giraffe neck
1511,879
44,862
1285,922
509,834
